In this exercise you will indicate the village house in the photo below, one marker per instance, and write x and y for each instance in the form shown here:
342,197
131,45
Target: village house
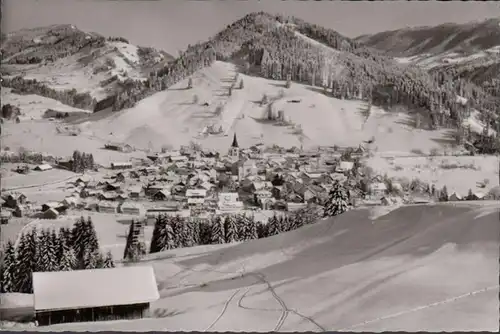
161,195
22,210
12,200
121,165
476,196
55,300
107,207
196,193
59,207
455,197
256,186
311,177
50,214
71,202
378,189
65,164
43,167
130,208
136,192
344,167
229,201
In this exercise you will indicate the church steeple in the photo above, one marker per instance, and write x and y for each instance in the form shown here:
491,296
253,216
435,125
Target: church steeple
234,150
235,142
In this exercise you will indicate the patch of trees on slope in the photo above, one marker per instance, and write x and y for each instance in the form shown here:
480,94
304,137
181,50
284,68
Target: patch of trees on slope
69,97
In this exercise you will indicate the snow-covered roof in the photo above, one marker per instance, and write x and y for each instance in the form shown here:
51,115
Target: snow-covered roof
346,165
43,167
196,193
62,290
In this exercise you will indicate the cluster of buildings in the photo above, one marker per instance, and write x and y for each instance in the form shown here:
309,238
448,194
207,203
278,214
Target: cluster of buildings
197,182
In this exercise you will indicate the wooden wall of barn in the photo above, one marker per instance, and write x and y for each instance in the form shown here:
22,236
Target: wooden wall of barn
105,313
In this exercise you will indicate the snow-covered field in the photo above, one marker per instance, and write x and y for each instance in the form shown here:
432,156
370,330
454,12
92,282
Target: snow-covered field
404,271
34,106
458,174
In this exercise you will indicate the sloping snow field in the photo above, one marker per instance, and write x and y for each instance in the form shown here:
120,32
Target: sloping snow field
171,117
432,268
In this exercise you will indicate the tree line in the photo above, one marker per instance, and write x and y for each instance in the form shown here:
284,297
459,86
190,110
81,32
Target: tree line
70,97
75,248
172,232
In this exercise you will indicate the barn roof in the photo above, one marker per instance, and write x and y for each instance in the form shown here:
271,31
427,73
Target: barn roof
62,290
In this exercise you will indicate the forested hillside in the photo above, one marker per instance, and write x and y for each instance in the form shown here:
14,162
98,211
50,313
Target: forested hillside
275,47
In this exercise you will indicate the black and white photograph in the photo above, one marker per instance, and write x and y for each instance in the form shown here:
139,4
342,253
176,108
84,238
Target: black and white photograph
250,166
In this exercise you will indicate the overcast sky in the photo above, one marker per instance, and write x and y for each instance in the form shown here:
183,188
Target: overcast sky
172,24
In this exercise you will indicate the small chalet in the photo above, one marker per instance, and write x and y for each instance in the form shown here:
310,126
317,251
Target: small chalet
50,214
136,192
107,207
121,165
14,199
256,186
94,295
59,207
455,197
129,208
378,189
43,167
477,196
161,195
196,193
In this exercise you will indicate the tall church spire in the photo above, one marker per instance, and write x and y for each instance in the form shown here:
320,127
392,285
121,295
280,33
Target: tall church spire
235,141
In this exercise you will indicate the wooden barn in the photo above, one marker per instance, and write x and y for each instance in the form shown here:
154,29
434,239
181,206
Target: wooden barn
94,295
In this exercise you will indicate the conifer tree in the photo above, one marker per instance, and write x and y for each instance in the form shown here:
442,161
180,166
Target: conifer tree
78,241
230,229
273,227
250,228
156,242
262,230
9,270
168,237
68,260
92,243
337,201
206,232
26,261
218,232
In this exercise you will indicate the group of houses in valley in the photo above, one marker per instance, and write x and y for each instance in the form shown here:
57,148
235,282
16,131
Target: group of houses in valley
196,182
